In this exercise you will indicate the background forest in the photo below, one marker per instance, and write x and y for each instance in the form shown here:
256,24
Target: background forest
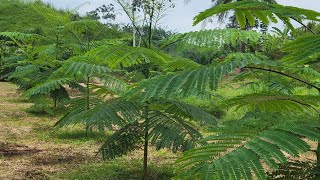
82,99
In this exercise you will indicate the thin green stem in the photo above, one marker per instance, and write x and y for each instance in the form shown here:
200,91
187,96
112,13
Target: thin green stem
88,93
145,148
150,25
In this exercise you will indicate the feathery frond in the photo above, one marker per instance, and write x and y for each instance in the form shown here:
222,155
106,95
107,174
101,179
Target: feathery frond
80,67
116,112
18,37
265,12
195,82
215,38
240,155
116,57
297,55
47,87
110,85
172,132
284,104
122,141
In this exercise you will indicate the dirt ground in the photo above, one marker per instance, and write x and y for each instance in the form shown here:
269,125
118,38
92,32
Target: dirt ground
24,153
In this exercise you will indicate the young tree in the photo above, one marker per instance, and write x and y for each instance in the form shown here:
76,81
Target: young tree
144,13
251,141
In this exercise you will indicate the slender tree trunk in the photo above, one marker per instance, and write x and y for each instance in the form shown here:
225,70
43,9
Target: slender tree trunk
134,30
88,93
57,46
145,148
88,103
317,170
141,30
55,103
146,131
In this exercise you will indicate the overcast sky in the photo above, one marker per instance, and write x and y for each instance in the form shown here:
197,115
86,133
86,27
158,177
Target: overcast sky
179,18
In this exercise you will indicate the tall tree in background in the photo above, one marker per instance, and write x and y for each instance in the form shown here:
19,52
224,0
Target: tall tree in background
144,13
233,23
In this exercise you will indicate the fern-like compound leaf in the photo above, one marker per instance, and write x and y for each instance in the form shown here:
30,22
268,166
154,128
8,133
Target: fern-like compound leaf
123,141
225,157
195,82
298,55
104,114
116,57
265,12
47,87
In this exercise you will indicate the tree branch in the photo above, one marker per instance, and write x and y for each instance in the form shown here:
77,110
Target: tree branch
287,75
304,25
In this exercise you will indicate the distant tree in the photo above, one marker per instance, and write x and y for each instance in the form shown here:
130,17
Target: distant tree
144,13
104,12
159,33
233,23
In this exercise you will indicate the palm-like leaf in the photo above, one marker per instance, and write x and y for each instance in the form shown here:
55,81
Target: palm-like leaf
239,153
193,82
48,86
214,38
172,132
116,57
123,141
18,37
265,12
284,104
298,55
116,112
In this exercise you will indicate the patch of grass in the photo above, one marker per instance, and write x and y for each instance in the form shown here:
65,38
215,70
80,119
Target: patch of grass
71,136
119,170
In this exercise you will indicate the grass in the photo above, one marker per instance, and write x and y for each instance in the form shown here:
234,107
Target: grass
118,170
72,136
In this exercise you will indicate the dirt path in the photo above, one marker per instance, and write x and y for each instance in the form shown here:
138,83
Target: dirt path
29,148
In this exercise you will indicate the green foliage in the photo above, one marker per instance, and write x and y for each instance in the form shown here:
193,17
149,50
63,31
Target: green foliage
111,85
80,68
283,104
47,87
263,11
116,57
194,82
179,64
237,152
118,170
167,125
214,38
294,170
41,106
31,17
124,140
171,131
189,111
18,37
170,107
102,114
298,55
76,68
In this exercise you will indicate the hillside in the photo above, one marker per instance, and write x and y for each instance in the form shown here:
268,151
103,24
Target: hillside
40,18
31,17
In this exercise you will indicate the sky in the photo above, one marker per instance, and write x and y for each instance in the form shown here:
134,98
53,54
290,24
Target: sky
178,19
